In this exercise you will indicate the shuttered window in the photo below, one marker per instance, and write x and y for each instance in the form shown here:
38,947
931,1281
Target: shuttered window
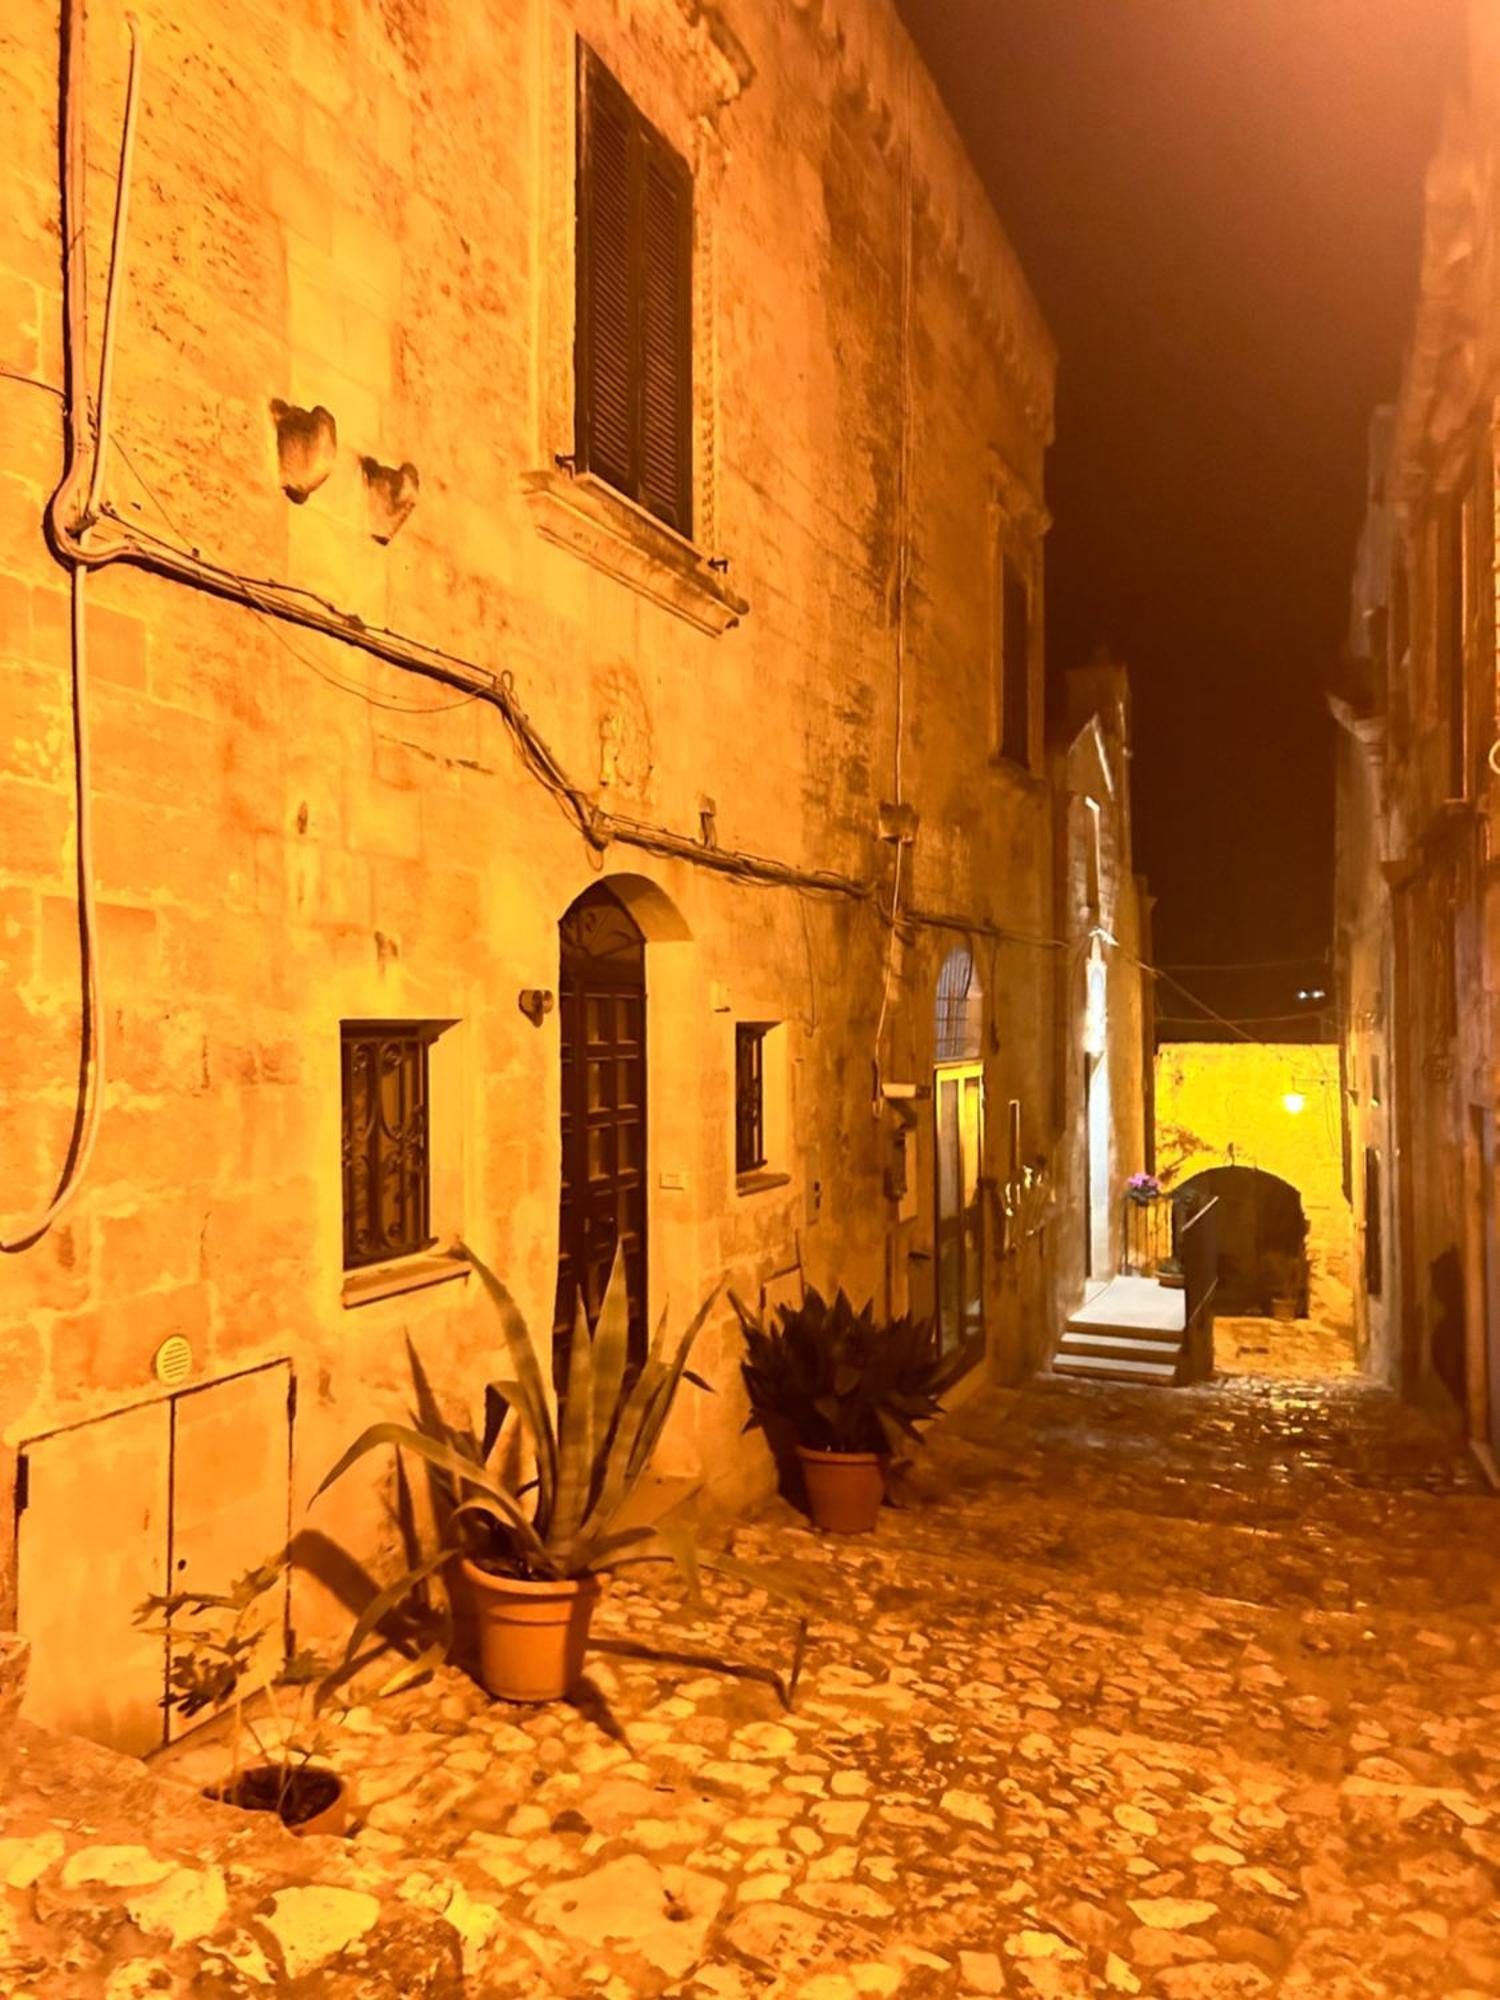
635,265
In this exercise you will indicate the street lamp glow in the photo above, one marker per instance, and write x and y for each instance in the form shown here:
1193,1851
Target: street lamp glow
1294,1101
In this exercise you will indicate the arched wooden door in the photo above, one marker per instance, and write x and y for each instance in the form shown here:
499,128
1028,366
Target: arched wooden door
602,1014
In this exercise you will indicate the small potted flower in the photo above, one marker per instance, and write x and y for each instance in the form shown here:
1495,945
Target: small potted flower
1142,1188
848,1391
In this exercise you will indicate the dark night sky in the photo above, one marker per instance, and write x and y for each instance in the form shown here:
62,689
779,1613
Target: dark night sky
1218,204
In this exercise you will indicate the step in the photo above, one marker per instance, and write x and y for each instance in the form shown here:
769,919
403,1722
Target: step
1134,1345
1105,1367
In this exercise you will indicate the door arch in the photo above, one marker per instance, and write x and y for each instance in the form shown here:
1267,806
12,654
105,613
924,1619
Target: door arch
1261,1232
602,1035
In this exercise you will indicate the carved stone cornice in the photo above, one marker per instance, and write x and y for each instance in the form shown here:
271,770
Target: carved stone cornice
880,72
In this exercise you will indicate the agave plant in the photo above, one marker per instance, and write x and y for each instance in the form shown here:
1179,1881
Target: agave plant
591,1450
839,1380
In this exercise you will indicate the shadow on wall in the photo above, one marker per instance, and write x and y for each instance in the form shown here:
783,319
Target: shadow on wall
1449,1346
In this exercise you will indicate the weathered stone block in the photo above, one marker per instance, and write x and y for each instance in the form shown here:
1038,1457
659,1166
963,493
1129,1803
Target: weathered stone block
15,618
110,1347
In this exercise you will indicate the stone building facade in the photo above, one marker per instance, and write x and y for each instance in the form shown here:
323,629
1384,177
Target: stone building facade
543,521
1106,1017
1416,897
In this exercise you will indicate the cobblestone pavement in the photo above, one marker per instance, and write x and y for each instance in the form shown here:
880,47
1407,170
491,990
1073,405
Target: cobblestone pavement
1286,1350
1182,1693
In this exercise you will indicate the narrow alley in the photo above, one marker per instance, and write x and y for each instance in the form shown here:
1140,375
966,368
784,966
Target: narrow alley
1155,1692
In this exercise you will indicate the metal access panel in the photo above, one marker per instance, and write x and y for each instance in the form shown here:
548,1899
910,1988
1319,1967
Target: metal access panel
231,1492
183,1490
91,1542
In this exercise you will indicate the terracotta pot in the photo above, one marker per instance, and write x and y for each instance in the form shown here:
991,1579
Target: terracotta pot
320,1796
844,1488
532,1636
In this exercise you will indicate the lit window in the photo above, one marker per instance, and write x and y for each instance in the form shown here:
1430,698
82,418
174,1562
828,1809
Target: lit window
387,1196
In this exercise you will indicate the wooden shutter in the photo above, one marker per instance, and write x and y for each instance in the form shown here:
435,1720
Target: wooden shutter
608,395
666,335
635,308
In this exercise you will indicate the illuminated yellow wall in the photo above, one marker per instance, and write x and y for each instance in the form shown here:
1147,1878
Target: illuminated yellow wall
1226,1104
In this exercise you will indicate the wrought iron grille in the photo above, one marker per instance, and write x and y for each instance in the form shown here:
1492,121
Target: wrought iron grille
749,1097
385,1139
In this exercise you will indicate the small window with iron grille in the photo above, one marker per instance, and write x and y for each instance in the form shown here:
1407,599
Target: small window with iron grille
387,1193
750,1096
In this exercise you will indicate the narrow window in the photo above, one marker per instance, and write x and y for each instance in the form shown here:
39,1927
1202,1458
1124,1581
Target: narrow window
1015,665
385,1145
633,352
1373,1248
1450,639
750,1096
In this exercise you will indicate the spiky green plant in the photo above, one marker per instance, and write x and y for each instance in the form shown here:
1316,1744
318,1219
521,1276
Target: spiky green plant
839,1380
591,1450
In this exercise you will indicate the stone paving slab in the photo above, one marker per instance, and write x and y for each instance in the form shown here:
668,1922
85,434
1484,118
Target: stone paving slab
1186,1693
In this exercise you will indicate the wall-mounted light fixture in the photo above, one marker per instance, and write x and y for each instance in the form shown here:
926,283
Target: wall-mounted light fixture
1294,1102
536,1003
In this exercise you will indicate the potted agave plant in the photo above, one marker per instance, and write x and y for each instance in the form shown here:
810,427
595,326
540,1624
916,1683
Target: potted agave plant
529,1554
849,1391
218,1662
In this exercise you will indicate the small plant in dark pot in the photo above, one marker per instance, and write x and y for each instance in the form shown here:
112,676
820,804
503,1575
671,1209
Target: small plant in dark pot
850,1391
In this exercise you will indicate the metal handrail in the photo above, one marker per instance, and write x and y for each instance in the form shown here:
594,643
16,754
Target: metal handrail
1198,1250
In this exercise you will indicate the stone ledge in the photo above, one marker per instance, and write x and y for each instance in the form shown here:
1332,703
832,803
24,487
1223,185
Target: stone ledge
578,512
406,1274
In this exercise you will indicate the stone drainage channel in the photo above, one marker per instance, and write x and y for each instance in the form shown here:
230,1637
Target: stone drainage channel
1179,1693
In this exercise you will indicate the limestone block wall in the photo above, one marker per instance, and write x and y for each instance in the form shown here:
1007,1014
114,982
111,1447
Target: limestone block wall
368,210
1272,1106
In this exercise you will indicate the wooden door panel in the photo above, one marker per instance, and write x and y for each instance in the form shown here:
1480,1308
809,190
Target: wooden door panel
602,1012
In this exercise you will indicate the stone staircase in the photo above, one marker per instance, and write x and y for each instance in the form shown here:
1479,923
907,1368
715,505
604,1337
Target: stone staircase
1126,1330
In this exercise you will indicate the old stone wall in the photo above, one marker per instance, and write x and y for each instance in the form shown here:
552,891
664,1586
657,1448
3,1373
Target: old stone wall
1420,974
1273,1107
1103,909
368,209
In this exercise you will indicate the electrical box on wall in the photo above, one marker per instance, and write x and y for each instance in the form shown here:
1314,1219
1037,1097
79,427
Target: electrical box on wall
900,1173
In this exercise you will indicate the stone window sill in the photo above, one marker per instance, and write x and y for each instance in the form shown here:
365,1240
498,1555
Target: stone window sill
760,1181
403,1274
576,511
1022,774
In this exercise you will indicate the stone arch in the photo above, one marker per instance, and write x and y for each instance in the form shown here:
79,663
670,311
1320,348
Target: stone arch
958,1009
1261,1231
656,915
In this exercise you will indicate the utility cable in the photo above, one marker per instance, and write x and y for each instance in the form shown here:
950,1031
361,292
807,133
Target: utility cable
1254,964
92,1020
